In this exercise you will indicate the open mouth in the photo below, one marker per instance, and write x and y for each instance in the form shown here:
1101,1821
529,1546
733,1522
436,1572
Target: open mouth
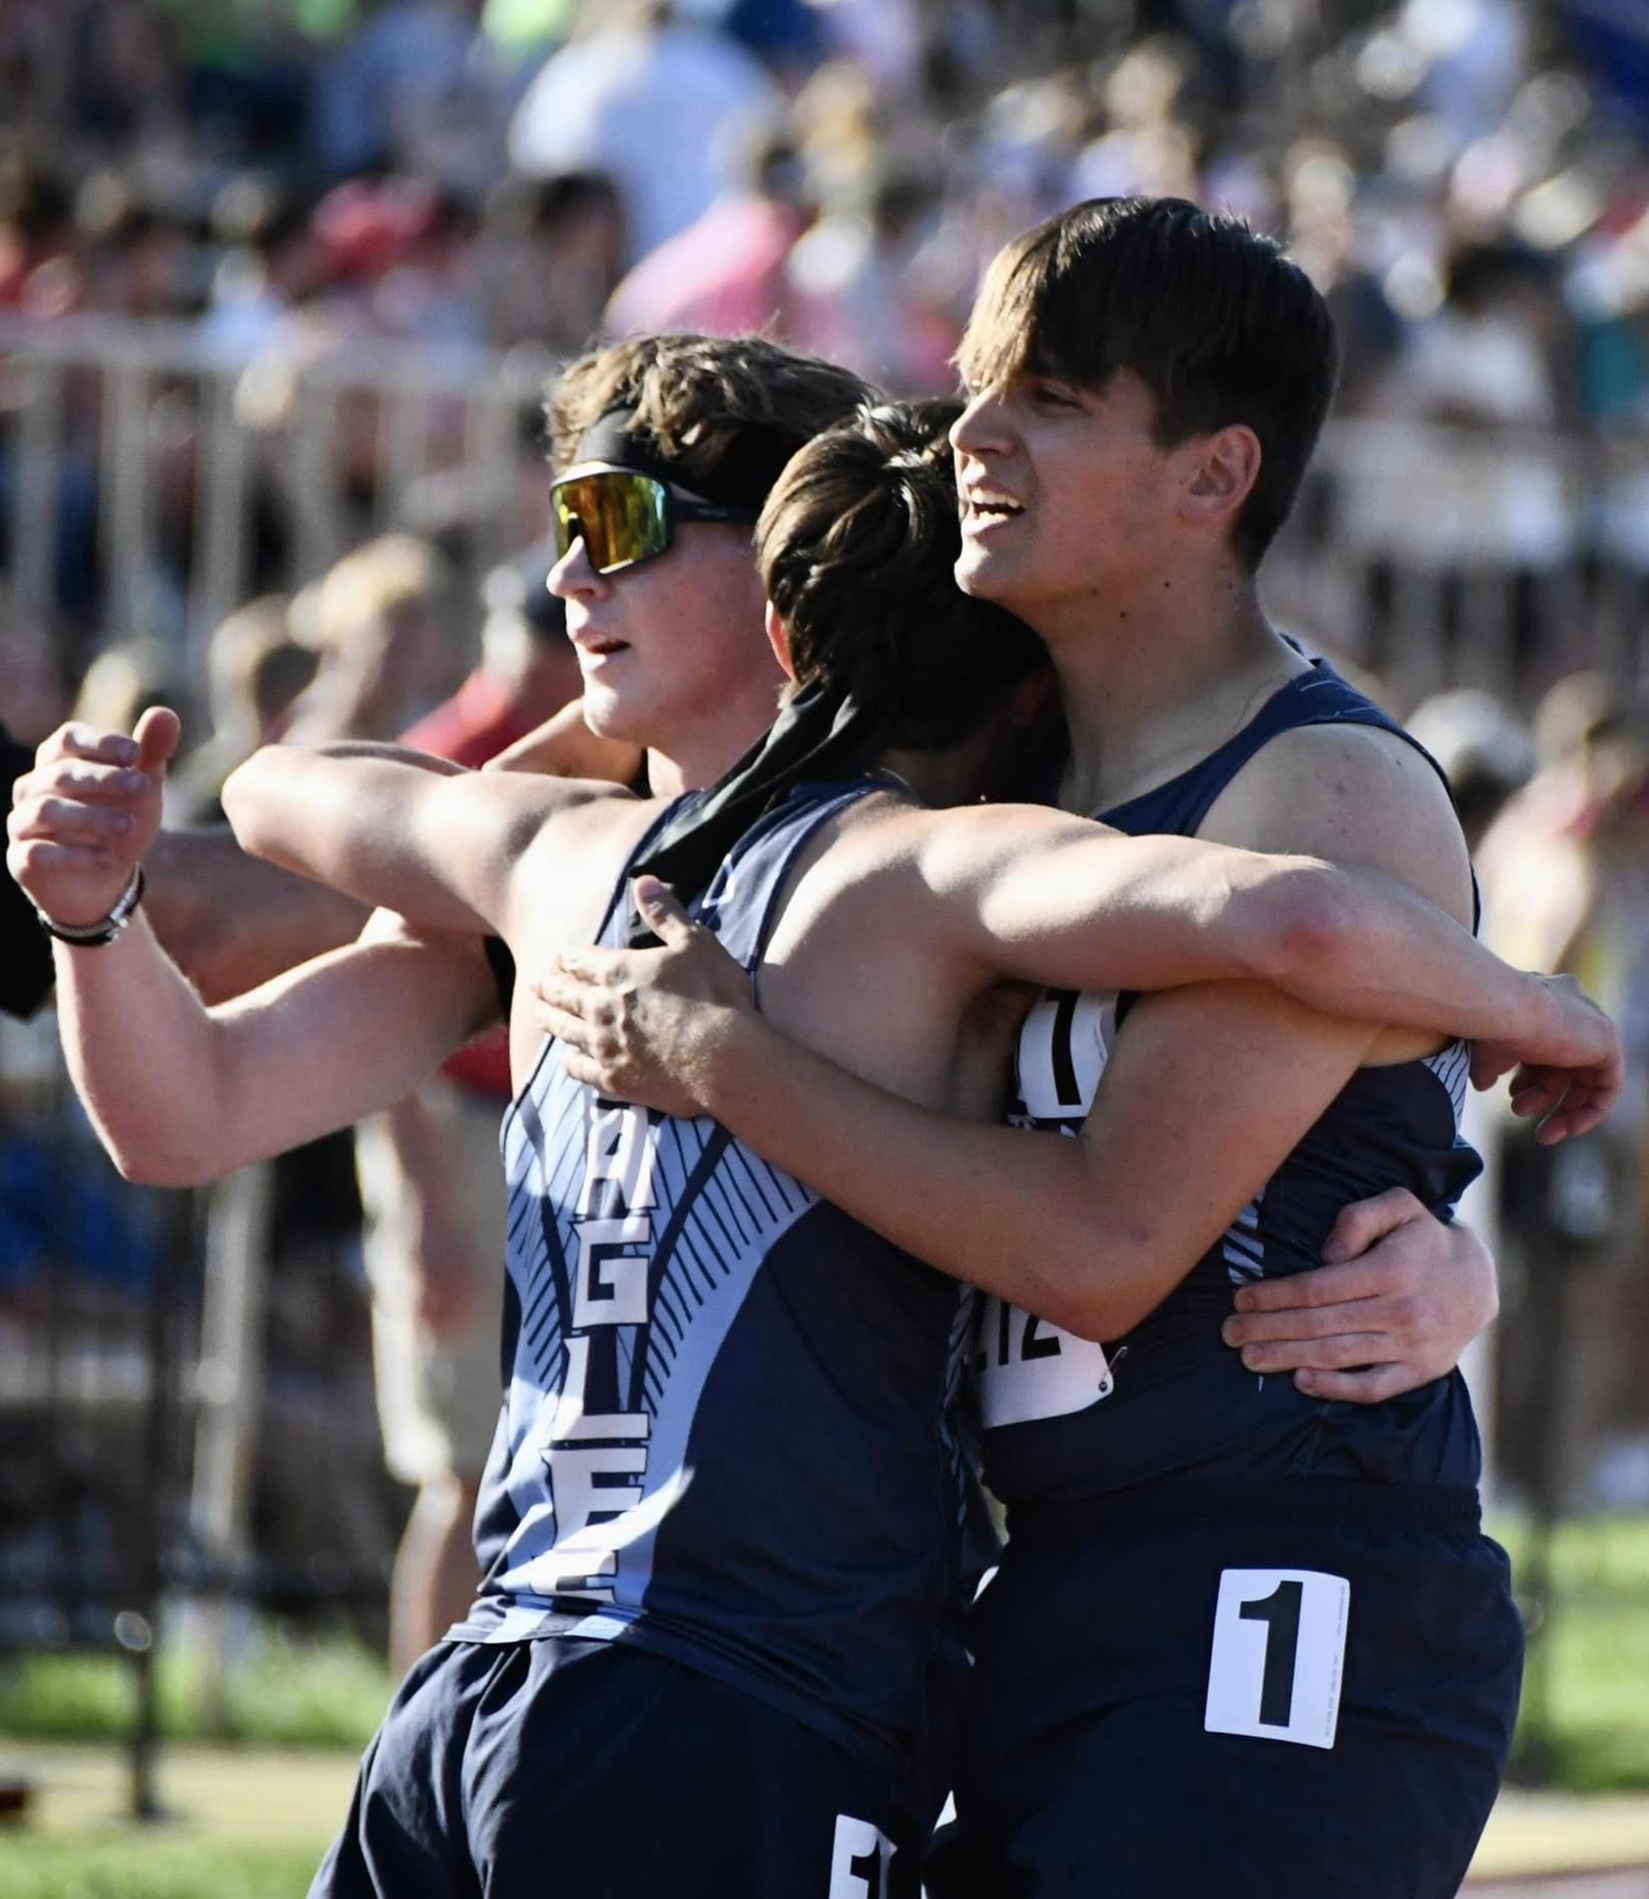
598,645
985,510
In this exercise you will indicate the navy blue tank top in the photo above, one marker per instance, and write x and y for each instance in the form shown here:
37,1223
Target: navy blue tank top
1065,1418
725,1434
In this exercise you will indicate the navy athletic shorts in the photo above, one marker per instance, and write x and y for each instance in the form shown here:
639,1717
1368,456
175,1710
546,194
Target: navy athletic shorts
1293,1689
595,1768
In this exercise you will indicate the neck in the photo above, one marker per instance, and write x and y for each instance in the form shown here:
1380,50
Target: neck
1156,676
699,756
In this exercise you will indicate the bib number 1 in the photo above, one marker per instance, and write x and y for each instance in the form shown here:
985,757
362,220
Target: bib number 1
1278,1656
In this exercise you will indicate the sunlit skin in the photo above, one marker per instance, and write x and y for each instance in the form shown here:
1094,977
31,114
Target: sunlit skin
1117,551
671,651
1063,494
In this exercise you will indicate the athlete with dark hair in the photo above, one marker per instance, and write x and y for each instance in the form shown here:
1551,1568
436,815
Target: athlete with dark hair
725,1508
1325,1623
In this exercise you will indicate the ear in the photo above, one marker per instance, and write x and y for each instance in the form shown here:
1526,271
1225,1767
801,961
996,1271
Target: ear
778,637
1222,475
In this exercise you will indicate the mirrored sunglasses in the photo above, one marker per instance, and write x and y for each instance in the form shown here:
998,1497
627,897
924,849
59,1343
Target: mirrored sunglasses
623,517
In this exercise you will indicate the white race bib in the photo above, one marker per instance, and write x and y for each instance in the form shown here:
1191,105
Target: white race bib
1027,1368
1279,1655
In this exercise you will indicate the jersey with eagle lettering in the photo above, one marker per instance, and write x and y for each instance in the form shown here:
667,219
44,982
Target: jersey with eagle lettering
725,1431
1065,1418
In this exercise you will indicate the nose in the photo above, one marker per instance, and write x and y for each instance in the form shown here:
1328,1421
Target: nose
572,577
981,427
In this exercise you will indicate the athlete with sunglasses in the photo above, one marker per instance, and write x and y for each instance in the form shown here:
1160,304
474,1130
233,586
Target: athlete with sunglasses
723,1531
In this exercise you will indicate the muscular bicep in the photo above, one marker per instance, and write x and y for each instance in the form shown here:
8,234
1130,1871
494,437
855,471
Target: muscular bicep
440,850
1206,1092
341,1037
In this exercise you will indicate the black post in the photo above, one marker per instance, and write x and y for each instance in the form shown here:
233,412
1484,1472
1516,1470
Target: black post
138,1628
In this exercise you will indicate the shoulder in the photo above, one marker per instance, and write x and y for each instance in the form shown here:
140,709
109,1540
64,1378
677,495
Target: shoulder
913,865
1355,794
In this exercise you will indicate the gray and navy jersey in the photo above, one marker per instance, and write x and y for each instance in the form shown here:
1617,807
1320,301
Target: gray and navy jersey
1065,1418
725,1435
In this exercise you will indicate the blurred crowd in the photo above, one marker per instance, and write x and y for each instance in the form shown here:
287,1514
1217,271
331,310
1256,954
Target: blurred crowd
518,172
505,180
1468,180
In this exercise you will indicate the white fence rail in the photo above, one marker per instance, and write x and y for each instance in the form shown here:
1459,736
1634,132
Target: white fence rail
181,448
1435,555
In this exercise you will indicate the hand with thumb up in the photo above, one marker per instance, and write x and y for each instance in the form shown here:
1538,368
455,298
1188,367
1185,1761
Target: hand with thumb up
83,818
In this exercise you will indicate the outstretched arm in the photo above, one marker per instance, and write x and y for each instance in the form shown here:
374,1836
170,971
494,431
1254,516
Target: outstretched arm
1085,907
180,1093
1089,1234
441,850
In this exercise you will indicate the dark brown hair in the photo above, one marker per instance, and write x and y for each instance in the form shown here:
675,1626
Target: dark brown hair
857,546
1212,318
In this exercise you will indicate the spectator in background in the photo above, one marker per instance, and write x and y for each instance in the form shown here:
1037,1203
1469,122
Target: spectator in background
255,672
857,291
405,59
36,229
434,1219
33,677
385,656
25,949
550,253
1483,748
725,274
640,96
1566,885
124,679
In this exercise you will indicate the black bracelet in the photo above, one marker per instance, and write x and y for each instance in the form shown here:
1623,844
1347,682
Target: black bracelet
91,935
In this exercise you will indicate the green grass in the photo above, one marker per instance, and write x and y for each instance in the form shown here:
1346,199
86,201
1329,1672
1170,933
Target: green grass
284,1691
240,1823
152,1868
1595,1734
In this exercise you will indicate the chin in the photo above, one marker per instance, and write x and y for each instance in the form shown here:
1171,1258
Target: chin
978,575
609,716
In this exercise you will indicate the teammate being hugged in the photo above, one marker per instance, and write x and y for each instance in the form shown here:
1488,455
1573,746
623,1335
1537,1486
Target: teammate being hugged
1226,1594
723,1528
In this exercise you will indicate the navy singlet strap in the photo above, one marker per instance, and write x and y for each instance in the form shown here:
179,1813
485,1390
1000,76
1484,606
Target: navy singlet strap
1316,697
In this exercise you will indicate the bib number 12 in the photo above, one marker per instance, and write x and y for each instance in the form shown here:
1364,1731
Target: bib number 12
1278,1655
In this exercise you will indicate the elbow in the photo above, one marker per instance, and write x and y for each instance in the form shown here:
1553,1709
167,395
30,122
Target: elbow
1307,928
244,803
1097,1296
1098,1316
146,1164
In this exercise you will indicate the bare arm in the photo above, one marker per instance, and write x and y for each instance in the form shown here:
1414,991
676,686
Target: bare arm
179,1092
1090,1234
565,747
440,850
230,922
1070,904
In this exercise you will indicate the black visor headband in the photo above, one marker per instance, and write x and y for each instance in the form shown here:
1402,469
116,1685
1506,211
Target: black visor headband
744,472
